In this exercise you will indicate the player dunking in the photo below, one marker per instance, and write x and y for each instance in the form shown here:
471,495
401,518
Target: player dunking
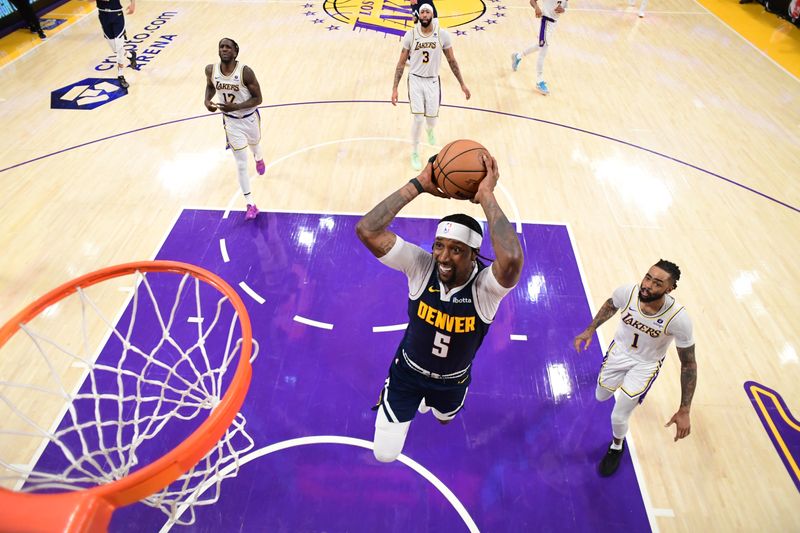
452,300
549,12
424,44
241,96
651,318
113,22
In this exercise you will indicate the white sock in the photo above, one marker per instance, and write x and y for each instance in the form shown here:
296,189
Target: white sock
534,48
256,148
416,130
241,173
615,446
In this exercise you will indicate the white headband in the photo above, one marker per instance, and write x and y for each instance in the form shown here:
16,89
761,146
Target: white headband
424,7
459,232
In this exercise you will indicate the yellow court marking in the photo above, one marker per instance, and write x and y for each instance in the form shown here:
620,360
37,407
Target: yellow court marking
776,37
757,392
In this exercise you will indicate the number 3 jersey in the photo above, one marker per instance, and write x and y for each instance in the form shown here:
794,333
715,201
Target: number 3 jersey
425,52
445,329
646,337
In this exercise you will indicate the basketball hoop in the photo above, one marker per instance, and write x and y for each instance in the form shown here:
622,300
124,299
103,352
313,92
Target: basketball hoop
110,438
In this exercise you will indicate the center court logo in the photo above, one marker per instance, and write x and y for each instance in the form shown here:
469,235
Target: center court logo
393,17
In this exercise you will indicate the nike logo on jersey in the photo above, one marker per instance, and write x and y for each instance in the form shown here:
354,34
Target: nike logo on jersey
431,289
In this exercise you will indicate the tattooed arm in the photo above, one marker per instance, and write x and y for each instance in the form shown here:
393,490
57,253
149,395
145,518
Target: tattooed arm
371,229
507,265
451,60
398,73
585,337
688,383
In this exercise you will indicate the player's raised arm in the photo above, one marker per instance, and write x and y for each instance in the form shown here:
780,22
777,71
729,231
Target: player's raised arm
507,265
371,229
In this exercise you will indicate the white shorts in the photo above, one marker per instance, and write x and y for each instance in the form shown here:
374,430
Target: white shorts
240,132
621,371
424,95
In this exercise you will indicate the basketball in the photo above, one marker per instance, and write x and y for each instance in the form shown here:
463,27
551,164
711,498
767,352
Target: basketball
459,169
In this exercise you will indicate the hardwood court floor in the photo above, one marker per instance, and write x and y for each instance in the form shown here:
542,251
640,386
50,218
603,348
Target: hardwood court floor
668,136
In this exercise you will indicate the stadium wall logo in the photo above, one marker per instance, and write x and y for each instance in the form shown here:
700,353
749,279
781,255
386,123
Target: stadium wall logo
393,17
90,93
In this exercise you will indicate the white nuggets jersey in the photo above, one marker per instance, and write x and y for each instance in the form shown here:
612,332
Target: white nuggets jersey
644,337
548,8
232,88
426,52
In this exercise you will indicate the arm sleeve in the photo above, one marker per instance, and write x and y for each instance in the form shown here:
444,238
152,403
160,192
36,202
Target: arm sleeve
622,295
488,294
412,261
681,328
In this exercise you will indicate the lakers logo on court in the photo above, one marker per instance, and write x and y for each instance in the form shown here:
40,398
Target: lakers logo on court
393,17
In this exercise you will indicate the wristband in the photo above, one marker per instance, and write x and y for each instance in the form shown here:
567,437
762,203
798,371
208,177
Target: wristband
417,185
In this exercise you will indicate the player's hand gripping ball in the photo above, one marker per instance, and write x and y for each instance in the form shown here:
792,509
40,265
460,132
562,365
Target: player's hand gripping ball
458,169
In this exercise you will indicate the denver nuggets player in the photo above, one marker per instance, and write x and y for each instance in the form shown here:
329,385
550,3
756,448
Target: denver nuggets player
424,44
549,12
113,22
241,96
452,300
651,318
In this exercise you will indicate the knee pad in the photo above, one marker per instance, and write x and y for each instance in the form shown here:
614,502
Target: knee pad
389,437
419,119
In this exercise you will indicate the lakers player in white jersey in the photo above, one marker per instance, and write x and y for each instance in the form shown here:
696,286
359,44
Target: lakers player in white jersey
548,11
240,97
424,44
651,319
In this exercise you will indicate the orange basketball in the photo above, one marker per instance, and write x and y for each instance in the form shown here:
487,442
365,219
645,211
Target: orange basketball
459,169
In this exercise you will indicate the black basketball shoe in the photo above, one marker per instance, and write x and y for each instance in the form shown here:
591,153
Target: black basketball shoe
611,461
123,82
132,59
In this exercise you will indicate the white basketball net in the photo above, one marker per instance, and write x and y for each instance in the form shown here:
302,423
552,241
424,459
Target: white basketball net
113,418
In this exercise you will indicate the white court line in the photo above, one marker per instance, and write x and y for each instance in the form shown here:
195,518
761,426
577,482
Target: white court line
195,319
637,469
125,289
223,249
326,439
253,294
669,513
314,323
394,327
519,337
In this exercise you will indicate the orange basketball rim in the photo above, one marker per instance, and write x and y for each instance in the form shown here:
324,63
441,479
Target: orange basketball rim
90,510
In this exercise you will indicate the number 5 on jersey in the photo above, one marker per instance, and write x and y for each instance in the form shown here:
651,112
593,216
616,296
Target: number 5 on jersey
441,343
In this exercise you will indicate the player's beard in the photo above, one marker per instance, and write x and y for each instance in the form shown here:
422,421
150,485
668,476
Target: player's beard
425,24
650,298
